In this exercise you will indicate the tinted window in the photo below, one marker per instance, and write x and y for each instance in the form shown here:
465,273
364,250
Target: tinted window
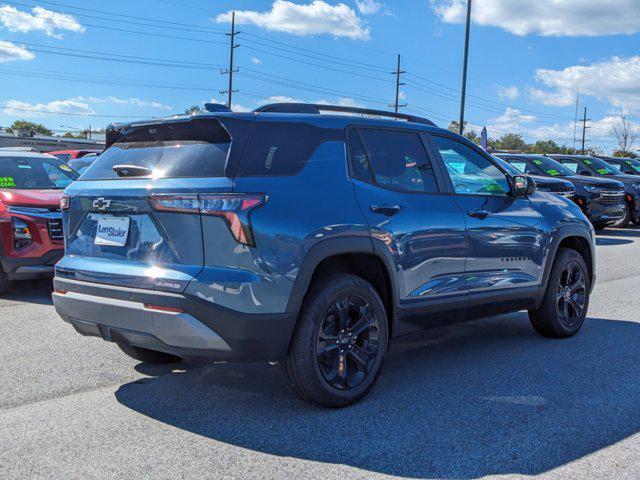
398,160
279,148
358,158
470,172
34,173
198,148
63,156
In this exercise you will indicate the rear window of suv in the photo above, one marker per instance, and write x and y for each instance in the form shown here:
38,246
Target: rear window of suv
282,148
198,148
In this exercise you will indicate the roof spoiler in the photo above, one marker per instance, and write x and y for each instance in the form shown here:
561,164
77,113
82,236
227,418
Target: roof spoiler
314,109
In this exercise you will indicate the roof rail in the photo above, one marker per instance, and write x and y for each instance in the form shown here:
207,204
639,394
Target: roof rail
313,108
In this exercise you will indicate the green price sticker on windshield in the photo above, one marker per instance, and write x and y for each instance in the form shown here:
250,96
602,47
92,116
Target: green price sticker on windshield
553,172
537,162
602,171
7,182
588,162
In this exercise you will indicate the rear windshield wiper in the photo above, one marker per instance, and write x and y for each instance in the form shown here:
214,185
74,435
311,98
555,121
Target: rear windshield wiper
131,171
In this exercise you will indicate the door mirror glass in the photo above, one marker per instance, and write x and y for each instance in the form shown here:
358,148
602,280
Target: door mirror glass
519,185
586,173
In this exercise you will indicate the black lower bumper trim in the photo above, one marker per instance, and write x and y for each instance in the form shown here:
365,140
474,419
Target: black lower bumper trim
252,337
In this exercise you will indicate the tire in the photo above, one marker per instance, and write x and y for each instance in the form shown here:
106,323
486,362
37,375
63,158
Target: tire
549,320
624,221
340,308
148,356
4,282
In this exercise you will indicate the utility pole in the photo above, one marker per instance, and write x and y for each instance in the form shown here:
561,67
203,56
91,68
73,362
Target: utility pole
575,118
397,73
231,70
584,127
464,68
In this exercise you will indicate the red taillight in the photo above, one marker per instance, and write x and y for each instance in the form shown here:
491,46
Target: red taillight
629,198
233,208
64,202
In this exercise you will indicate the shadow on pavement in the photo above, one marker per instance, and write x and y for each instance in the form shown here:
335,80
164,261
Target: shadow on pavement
630,232
607,242
489,397
37,291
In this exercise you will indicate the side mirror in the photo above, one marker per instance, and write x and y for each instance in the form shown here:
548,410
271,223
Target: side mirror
520,185
585,173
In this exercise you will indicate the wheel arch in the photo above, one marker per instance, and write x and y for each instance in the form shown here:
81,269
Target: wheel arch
363,256
578,238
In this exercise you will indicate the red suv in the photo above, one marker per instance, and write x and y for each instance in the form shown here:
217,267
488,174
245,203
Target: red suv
31,237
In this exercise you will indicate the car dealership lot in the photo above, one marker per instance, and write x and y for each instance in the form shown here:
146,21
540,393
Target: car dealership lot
481,399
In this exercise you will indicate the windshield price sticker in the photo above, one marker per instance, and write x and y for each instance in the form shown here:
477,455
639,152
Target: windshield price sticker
7,182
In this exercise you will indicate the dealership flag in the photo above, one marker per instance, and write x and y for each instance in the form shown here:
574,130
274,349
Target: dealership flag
483,138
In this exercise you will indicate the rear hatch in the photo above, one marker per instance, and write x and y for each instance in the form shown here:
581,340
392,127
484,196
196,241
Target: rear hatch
133,217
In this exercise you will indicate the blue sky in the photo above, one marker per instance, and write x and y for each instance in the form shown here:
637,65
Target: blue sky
93,62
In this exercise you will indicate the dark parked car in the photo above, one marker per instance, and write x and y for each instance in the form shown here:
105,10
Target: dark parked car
593,166
555,185
314,240
601,200
630,166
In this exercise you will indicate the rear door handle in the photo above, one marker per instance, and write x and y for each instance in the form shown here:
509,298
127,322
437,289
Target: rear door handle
386,209
481,214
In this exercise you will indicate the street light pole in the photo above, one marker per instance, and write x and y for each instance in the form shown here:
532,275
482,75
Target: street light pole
464,69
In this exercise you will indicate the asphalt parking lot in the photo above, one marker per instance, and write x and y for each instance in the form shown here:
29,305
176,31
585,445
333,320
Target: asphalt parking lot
489,398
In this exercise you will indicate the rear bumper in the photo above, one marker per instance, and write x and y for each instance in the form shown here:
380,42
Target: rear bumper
24,268
195,330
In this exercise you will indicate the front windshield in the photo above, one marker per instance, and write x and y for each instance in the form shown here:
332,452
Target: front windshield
541,165
36,173
600,166
632,165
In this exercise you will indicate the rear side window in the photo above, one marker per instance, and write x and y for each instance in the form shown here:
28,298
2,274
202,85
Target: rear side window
281,148
198,148
396,159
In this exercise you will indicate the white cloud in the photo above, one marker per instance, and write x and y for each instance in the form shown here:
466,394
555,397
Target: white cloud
616,80
235,107
369,7
511,121
10,51
342,102
125,101
279,99
34,110
547,17
508,93
40,19
315,18
256,61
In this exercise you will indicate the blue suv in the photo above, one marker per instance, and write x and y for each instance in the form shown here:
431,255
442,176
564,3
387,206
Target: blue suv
311,239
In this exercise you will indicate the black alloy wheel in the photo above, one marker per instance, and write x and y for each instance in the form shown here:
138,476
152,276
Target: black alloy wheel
348,342
571,295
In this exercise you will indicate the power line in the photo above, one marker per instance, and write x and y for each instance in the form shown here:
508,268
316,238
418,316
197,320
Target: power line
91,54
75,114
137,32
